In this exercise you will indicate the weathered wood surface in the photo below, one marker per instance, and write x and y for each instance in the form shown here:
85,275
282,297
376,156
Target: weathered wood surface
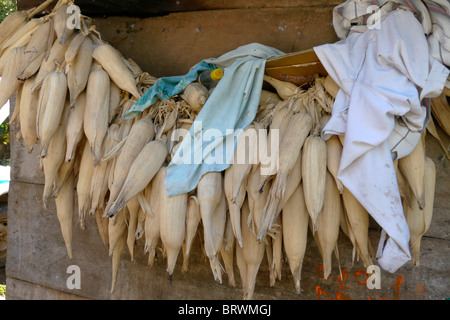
146,8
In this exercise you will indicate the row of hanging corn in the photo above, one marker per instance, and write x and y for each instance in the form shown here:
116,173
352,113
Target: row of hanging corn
72,90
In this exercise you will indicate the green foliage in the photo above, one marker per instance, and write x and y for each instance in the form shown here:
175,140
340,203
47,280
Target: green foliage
6,7
4,143
2,290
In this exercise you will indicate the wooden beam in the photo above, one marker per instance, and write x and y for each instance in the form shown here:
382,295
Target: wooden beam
149,8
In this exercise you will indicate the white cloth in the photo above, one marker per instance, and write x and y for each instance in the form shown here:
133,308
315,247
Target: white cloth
383,73
434,15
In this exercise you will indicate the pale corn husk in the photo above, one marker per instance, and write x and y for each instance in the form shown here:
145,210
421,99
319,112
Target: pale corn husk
358,221
75,126
331,86
152,225
100,176
55,59
116,253
314,168
62,30
273,204
52,99
268,97
102,226
256,200
116,227
440,109
133,209
412,168
142,170
65,211
284,89
64,170
172,225
193,219
27,117
12,22
419,220
96,113
84,183
115,96
73,47
252,255
227,252
278,127
112,62
35,51
328,223
140,134
334,152
55,158
9,84
219,221
234,204
209,195
277,252
22,35
79,69
295,231
195,94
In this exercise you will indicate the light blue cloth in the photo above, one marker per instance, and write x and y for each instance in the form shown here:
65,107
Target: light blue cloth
232,106
165,88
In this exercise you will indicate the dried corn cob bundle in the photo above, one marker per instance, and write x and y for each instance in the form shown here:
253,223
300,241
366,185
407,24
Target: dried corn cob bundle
27,116
227,252
140,134
49,64
193,218
251,253
142,170
328,223
55,158
284,89
152,225
314,168
334,152
96,112
358,221
65,211
419,220
412,168
9,83
62,30
21,36
112,62
52,100
79,67
75,126
295,230
256,199
39,44
210,194
84,183
292,142
274,204
172,225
